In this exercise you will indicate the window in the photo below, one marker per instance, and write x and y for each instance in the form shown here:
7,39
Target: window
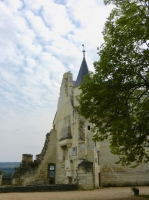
88,128
98,157
74,151
51,173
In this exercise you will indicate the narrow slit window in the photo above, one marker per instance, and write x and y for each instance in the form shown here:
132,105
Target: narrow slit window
74,151
98,157
89,128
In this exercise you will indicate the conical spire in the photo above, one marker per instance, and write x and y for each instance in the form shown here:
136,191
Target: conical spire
83,70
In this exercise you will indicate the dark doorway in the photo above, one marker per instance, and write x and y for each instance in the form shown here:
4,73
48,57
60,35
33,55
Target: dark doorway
51,173
69,180
99,179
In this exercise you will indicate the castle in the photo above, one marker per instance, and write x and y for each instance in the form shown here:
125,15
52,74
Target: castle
69,154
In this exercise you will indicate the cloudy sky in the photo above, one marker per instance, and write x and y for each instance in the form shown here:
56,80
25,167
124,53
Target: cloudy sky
40,40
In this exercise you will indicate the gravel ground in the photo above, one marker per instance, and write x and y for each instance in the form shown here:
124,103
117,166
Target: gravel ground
121,193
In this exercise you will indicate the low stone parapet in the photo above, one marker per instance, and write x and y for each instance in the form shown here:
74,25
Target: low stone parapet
38,188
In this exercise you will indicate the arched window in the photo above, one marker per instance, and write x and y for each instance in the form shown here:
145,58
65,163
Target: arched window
51,173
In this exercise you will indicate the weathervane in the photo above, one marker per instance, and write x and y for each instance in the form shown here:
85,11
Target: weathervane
83,51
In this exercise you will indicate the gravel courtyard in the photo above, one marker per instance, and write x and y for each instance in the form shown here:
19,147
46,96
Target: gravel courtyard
121,193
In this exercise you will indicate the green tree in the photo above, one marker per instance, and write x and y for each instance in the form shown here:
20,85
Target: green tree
116,97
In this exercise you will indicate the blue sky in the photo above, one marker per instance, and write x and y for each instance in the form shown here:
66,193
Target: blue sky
39,42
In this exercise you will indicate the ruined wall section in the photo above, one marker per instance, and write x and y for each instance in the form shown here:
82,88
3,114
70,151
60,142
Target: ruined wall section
116,175
40,156
37,172
85,175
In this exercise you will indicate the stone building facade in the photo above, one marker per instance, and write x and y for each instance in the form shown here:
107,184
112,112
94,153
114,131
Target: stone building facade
69,154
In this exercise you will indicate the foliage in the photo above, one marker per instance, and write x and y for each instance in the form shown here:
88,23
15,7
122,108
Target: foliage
116,97
144,195
7,172
133,188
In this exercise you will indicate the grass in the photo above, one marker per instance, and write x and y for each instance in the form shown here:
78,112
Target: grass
144,195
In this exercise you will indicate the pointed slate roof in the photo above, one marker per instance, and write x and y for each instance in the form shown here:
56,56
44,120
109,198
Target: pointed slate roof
82,72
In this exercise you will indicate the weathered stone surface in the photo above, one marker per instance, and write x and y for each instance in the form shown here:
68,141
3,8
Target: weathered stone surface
85,175
113,174
25,167
66,129
28,158
81,129
86,166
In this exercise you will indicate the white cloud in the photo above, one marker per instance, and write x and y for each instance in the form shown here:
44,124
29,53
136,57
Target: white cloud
14,5
35,4
39,41
56,16
37,24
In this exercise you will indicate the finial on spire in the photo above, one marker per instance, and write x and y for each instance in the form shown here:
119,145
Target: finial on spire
83,51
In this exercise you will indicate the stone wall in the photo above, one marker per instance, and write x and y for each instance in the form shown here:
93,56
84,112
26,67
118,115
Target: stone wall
85,175
37,172
116,175
27,158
